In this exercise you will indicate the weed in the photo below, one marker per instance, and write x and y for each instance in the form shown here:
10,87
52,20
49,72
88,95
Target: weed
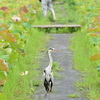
73,95
82,63
56,68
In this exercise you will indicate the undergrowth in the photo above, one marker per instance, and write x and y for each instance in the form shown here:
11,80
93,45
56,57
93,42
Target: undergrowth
21,86
81,48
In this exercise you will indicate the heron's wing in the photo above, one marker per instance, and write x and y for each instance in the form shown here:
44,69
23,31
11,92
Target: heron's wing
52,77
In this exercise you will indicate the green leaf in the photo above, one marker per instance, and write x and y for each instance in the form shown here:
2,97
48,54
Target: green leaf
21,44
91,7
95,40
3,54
26,25
8,50
98,68
13,58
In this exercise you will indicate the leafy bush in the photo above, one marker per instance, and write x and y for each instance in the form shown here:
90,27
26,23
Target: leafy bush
16,18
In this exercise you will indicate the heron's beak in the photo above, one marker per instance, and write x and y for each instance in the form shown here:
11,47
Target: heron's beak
57,50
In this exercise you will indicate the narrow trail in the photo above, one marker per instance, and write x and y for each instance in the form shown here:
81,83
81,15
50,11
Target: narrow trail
63,85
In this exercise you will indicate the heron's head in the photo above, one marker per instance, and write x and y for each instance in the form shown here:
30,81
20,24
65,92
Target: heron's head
52,49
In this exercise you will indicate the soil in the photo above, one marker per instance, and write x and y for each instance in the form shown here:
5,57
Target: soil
65,84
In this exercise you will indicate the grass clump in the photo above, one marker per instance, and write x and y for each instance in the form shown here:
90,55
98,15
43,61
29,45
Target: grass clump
73,95
56,68
83,49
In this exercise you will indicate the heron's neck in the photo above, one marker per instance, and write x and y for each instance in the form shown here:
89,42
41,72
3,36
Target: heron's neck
51,60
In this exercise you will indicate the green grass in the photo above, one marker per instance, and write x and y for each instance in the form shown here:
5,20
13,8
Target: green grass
73,95
64,13
83,49
56,68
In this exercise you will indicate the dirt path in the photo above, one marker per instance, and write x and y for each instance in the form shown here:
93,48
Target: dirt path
64,85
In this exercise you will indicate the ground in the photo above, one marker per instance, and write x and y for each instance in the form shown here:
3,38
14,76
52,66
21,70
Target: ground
63,85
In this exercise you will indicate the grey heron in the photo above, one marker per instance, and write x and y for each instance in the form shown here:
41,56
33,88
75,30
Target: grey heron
47,74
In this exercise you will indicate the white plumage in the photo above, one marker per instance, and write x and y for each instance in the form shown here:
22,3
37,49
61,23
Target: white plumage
47,74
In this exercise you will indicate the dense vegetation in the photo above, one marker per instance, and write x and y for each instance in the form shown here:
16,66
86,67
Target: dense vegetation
86,47
20,45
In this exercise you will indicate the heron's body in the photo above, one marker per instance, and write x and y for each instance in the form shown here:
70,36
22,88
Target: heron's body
48,75
48,81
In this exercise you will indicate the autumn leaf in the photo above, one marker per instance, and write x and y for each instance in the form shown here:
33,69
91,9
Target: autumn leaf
25,19
2,82
21,51
3,25
5,35
95,57
3,8
97,19
23,9
3,31
97,34
93,29
3,65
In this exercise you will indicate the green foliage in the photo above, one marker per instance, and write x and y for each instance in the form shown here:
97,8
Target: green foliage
73,95
98,67
2,96
3,75
15,29
56,68
23,85
85,46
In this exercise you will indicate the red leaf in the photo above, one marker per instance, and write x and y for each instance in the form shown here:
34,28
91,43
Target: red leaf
3,31
5,35
23,9
95,57
3,65
2,82
93,29
4,8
